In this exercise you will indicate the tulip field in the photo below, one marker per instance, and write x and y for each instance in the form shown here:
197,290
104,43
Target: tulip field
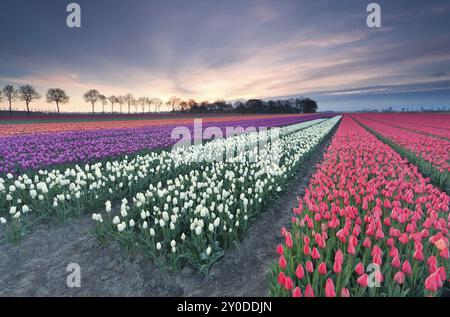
369,223
373,220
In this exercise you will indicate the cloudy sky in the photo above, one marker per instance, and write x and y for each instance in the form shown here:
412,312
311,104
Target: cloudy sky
209,49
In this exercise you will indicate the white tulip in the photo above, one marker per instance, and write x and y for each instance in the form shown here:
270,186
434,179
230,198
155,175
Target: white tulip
158,246
121,226
116,220
2,220
208,251
152,232
108,206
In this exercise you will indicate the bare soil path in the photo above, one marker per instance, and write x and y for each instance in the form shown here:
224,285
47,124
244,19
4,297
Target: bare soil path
37,267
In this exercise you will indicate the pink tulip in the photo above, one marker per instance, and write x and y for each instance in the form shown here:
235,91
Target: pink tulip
367,243
297,292
396,261
433,282
339,256
282,262
299,272
309,292
306,249
288,284
288,241
444,253
281,278
309,267
345,292
322,268
280,249
363,280
329,288
315,254
337,267
418,255
406,267
399,277
359,269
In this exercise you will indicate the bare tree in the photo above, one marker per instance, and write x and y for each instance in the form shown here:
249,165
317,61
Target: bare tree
121,101
92,96
27,93
174,103
112,100
143,101
11,95
58,96
129,99
104,102
157,103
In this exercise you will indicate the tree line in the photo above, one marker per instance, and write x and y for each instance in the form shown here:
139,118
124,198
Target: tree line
27,93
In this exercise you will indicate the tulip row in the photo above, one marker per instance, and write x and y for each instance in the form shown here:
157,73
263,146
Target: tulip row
11,129
194,216
66,193
437,125
24,153
368,225
430,154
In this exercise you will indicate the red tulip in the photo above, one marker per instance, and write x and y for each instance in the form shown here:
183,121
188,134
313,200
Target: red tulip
288,284
282,262
329,288
297,292
299,272
406,268
309,292
363,280
281,278
399,277
359,269
280,249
